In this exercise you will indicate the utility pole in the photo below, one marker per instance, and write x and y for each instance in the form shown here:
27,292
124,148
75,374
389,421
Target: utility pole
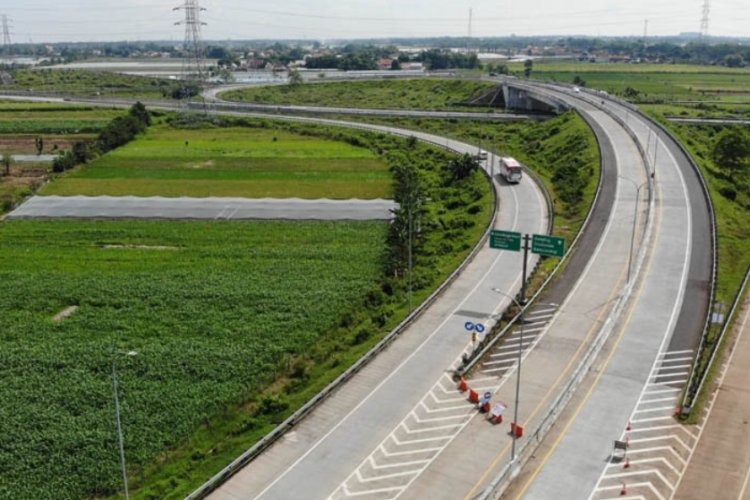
645,31
6,30
193,62
119,422
704,20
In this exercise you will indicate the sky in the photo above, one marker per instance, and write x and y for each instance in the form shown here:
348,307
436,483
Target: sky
114,20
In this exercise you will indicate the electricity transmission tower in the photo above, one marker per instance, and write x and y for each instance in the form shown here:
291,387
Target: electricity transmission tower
193,62
6,30
704,20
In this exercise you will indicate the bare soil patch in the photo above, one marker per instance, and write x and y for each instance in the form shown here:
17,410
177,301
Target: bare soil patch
66,313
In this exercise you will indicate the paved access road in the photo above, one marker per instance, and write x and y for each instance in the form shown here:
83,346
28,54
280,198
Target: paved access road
219,103
719,466
34,158
132,207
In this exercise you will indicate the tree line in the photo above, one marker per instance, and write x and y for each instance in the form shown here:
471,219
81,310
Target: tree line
117,133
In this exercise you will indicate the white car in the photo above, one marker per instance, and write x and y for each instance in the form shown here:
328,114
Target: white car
576,90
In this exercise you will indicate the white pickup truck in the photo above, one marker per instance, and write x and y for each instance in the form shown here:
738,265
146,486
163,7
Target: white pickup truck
511,170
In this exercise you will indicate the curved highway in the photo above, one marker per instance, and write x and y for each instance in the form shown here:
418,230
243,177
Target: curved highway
388,432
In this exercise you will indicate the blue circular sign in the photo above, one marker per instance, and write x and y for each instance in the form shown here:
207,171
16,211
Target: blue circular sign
479,328
469,326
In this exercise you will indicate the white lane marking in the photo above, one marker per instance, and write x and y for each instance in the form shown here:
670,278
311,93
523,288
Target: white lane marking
673,353
643,472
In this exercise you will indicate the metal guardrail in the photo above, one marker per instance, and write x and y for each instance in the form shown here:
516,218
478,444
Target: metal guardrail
295,418
496,486
727,324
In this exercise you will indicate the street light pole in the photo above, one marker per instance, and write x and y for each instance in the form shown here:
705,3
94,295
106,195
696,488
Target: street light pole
520,360
119,423
635,219
411,261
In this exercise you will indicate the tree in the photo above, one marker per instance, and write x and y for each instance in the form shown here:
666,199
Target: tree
295,77
7,161
462,167
731,152
579,81
733,61
395,65
528,67
226,75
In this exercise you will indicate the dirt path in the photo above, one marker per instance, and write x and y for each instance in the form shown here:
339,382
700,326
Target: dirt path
720,466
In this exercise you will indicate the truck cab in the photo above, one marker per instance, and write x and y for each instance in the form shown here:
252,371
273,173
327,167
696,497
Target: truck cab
511,170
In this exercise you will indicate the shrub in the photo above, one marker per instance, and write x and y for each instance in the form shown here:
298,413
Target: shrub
271,404
729,193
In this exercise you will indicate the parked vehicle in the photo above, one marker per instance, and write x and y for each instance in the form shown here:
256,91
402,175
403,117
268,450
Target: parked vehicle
511,170
482,156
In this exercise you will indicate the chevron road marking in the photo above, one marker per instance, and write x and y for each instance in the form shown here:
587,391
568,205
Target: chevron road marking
658,446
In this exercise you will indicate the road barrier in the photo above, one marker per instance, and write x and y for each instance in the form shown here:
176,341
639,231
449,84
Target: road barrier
722,335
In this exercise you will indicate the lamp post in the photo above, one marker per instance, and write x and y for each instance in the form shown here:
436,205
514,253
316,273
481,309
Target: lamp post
117,414
522,307
635,217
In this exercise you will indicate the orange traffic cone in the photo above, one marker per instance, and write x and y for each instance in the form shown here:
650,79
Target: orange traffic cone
627,462
463,387
630,427
624,490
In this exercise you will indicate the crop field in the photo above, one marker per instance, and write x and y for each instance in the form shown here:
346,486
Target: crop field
192,299
88,83
226,317
395,94
59,125
232,162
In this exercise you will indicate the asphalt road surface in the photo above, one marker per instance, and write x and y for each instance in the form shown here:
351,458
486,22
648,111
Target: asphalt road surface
132,207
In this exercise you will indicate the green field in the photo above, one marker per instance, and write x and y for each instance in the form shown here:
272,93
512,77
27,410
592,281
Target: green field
88,83
232,162
214,311
43,118
394,94
654,82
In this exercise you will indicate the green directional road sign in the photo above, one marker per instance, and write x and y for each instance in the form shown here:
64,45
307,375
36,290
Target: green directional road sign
550,246
505,240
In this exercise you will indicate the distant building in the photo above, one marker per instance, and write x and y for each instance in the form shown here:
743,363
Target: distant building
385,64
412,66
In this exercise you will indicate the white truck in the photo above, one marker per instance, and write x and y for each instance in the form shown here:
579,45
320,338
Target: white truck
511,170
